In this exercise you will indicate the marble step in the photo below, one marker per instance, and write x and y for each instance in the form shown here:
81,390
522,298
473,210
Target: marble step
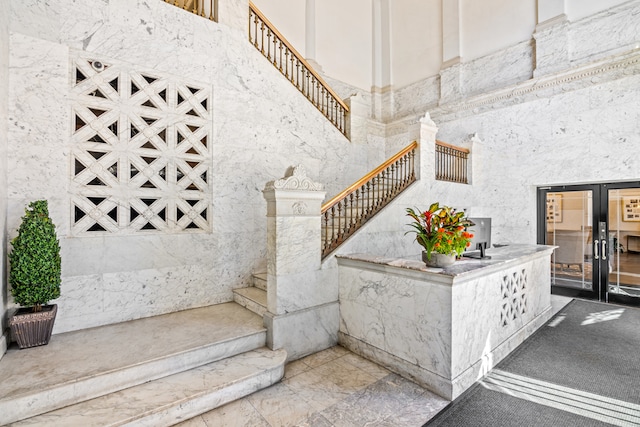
251,298
176,398
260,280
82,365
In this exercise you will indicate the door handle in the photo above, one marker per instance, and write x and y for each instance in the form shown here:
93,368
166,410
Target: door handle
595,249
604,249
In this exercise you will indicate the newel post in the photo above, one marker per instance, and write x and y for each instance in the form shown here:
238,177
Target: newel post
427,148
302,308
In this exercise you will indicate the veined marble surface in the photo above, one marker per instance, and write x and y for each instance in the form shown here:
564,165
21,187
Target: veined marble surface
261,126
464,267
444,328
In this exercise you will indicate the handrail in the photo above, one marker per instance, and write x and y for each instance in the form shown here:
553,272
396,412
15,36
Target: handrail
368,177
272,44
296,53
345,213
444,144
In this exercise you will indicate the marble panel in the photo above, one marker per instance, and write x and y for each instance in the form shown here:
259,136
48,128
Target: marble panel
416,98
616,28
36,141
508,66
552,48
305,331
234,14
447,325
305,289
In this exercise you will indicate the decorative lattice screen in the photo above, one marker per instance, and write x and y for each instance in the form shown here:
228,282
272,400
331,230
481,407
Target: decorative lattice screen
141,151
514,296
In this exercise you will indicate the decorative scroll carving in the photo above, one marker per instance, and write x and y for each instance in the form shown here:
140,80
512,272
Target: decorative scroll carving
298,180
141,155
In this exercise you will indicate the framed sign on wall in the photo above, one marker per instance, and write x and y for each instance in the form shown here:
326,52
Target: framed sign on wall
631,208
554,207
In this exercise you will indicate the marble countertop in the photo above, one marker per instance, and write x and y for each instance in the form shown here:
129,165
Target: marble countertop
500,257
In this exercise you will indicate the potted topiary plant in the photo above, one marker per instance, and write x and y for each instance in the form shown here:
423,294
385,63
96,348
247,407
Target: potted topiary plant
34,276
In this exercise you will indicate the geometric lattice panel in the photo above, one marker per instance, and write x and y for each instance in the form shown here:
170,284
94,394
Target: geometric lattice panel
513,289
141,151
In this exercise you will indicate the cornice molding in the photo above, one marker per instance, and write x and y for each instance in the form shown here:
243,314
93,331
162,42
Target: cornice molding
604,70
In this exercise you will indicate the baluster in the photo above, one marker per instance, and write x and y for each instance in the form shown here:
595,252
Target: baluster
352,222
333,225
286,62
340,228
451,158
327,100
262,27
325,220
307,78
358,217
275,56
280,48
297,83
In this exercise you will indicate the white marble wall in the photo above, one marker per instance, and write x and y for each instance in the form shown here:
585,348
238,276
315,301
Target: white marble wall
261,125
4,94
616,28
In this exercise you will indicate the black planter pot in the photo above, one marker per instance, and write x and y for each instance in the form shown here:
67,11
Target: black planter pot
31,329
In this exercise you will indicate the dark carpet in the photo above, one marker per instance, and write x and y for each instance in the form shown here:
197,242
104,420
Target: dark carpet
589,348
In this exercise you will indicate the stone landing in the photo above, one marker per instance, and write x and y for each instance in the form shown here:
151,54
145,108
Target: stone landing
154,371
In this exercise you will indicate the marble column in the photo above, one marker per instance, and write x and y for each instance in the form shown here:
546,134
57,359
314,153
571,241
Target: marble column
302,300
552,38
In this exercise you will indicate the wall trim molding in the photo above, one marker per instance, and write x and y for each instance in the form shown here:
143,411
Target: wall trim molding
601,71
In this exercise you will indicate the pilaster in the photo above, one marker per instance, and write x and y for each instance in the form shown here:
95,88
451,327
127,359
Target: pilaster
552,46
427,149
358,118
234,13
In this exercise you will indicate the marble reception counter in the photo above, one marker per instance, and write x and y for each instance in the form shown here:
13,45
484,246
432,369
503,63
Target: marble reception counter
443,328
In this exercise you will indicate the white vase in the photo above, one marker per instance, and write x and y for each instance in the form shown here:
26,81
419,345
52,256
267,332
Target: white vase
438,260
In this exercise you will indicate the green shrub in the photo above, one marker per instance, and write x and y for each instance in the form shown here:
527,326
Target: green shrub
34,262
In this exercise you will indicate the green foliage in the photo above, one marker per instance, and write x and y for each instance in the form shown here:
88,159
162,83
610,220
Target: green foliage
34,262
440,229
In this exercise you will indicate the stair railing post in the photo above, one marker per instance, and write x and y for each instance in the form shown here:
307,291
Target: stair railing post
302,305
426,161
233,13
357,119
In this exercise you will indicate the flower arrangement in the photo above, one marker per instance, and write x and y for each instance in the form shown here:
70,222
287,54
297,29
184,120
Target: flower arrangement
441,229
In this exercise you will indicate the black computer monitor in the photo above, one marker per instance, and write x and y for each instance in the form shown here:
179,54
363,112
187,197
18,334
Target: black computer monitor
481,238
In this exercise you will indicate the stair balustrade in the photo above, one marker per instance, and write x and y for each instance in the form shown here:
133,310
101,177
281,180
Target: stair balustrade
451,163
353,207
205,8
268,40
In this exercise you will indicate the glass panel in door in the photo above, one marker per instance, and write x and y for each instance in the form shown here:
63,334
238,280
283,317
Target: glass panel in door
569,226
624,242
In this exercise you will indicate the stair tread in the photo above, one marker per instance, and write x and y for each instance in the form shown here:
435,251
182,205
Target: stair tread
177,397
254,294
92,362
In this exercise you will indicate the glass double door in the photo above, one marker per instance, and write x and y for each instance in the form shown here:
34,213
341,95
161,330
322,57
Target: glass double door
596,229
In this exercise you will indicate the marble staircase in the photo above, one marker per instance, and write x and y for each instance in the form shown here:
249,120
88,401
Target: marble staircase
155,371
254,297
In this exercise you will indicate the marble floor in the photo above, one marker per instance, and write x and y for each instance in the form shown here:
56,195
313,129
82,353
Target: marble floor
334,388
331,388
